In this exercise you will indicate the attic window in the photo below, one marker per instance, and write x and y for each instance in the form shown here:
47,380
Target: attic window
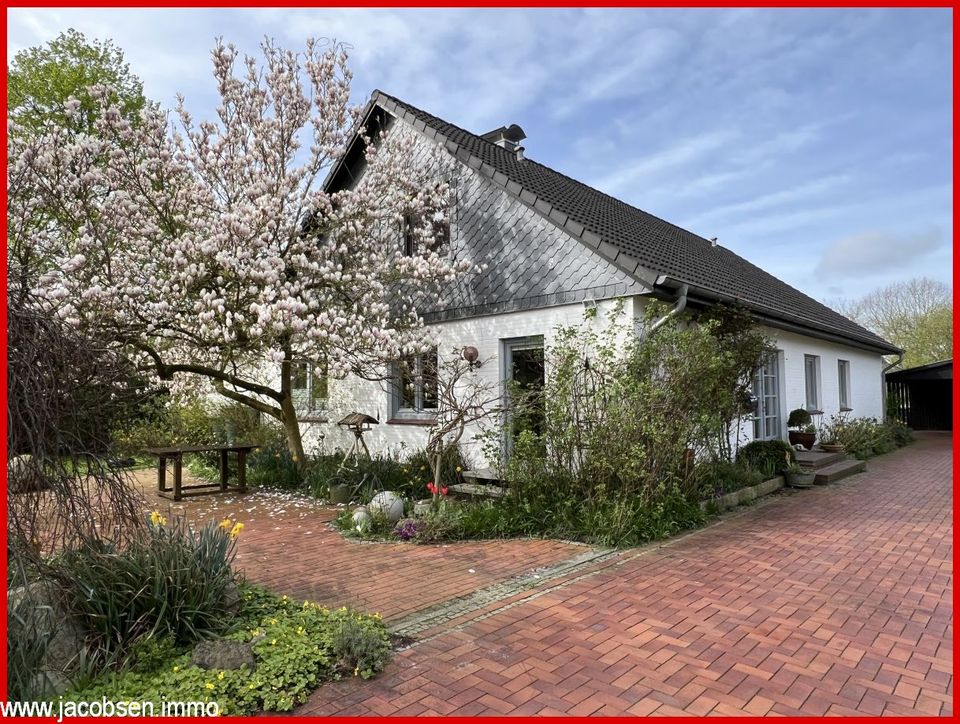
440,235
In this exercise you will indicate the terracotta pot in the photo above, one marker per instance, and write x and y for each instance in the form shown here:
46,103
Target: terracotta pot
807,439
832,448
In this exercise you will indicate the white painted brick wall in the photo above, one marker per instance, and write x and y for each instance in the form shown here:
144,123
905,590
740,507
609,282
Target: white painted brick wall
484,333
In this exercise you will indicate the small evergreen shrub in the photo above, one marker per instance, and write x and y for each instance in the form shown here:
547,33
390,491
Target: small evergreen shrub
768,457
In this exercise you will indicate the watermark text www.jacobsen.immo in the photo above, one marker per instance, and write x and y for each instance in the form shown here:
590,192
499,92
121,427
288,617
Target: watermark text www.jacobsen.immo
106,708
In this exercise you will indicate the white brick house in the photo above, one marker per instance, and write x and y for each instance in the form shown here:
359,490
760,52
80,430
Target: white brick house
552,247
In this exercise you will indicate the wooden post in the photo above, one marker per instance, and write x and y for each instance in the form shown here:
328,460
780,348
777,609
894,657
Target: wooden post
177,475
162,475
224,468
242,470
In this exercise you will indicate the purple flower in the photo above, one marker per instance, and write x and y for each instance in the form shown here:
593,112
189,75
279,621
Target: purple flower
407,529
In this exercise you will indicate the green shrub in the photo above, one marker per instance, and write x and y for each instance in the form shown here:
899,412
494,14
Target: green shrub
296,647
720,477
173,580
864,437
901,434
768,457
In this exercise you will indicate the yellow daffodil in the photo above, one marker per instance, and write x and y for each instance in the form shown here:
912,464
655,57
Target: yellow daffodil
157,519
235,531
225,524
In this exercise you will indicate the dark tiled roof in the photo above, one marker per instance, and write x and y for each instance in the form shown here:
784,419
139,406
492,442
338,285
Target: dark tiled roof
649,241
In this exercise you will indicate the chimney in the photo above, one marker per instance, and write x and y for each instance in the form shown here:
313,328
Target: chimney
507,137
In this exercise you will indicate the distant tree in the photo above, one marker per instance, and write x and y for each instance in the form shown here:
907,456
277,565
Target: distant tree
916,315
41,80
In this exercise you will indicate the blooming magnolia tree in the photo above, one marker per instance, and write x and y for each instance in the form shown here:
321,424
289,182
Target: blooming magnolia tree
211,251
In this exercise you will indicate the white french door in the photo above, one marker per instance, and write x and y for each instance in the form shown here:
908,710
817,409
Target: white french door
766,387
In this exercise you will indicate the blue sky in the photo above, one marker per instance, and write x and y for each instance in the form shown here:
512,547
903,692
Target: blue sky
816,143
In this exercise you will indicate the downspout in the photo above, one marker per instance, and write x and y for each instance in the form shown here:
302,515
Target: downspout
883,378
680,305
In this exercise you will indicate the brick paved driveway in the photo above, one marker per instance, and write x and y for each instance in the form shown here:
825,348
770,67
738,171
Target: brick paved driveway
835,600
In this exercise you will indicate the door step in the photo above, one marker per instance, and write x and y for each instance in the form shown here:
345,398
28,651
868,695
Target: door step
818,459
838,471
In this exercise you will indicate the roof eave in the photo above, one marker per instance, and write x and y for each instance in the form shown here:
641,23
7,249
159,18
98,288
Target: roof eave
771,319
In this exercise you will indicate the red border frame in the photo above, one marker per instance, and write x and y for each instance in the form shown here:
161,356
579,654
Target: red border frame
424,4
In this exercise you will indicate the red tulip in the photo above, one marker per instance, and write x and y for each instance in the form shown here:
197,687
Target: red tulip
443,491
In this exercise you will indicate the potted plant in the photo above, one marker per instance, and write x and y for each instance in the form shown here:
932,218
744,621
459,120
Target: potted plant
798,477
802,431
829,435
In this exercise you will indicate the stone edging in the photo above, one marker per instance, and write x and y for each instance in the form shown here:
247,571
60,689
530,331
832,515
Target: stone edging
744,495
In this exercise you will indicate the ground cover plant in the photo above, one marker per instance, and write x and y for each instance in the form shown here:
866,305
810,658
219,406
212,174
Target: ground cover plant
296,646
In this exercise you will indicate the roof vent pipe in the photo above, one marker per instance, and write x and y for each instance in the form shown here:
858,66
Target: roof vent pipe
713,241
677,308
519,153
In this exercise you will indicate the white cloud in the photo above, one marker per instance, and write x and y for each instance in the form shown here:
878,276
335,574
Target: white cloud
681,153
877,251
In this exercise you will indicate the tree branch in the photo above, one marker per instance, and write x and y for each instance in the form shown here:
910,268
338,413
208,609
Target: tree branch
247,400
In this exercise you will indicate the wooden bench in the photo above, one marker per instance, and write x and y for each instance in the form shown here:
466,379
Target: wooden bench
176,454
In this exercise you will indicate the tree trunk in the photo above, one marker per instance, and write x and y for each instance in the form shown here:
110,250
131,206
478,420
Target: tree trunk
292,428
289,411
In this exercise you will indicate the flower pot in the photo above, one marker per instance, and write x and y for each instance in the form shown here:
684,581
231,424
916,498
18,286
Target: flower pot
807,439
339,494
832,447
800,480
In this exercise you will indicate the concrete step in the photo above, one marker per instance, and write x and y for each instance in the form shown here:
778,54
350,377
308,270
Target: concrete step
818,459
838,471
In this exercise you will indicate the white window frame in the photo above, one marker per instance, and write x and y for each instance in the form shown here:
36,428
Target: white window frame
305,402
843,385
419,412
812,397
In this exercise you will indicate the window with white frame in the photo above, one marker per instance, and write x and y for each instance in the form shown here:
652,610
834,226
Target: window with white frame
308,386
811,369
415,387
843,379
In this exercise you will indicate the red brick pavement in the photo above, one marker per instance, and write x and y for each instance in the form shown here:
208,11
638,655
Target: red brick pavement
288,545
836,600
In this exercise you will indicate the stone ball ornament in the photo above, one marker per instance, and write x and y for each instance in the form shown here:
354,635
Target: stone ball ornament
362,520
387,504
